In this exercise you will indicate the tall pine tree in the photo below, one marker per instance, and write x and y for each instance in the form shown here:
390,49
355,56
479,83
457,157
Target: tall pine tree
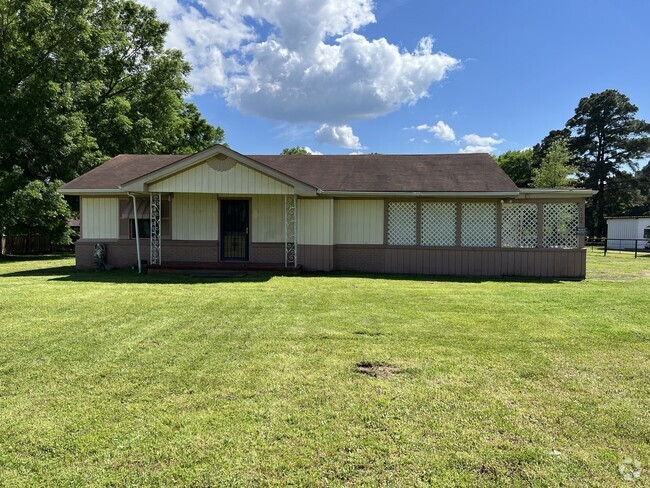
607,139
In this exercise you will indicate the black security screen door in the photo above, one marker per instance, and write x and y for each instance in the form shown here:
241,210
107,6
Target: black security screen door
234,230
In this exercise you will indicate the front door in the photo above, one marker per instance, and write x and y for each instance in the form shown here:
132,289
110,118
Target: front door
234,230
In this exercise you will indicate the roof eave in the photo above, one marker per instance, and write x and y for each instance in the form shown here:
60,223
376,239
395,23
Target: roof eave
450,194
90,191
557,192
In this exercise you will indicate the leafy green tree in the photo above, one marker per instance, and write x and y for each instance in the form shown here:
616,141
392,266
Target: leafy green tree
294,150
38,208
608,139
84,80
540,149
518,165
555,168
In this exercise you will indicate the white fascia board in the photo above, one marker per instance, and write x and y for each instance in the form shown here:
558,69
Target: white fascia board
413,194
140,184
90,192
556,193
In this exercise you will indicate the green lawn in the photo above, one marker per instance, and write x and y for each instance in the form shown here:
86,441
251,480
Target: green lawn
117,379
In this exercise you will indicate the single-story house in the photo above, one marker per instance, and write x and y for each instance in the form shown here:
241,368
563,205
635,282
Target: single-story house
454,214
627,232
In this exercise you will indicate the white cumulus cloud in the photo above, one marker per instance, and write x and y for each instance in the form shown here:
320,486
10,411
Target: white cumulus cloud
440,130
479,144
299,61
341,136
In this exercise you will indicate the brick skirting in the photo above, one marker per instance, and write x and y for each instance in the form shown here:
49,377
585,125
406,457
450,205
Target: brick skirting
551,263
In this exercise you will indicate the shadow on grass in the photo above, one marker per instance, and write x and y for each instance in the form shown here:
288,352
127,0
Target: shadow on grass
440,278
69,273
15,258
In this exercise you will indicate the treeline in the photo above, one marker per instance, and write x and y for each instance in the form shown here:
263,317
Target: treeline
602,147
82,81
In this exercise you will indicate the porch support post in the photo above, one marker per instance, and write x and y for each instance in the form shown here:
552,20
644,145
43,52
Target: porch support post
290,234
155,212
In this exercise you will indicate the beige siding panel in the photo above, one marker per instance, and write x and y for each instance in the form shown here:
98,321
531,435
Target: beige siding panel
358,221
268,218
100,218
194,217
315,221
238,180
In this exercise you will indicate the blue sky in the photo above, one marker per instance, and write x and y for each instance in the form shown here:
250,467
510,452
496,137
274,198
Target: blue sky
514,70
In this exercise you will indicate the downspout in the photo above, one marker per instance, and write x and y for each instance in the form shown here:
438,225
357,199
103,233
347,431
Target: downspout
137,231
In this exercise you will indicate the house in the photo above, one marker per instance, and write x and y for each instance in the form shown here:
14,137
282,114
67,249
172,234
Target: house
627,232
454,214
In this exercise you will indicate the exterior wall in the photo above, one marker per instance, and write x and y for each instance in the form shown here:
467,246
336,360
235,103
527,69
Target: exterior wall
358,222
316,234
195,217
238,180
545,263
122,253
267,219
266,252
626,229
100,218
353,235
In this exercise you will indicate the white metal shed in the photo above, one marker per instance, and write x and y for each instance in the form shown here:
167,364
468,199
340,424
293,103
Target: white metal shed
621,231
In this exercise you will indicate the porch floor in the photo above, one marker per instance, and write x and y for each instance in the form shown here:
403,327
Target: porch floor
197,268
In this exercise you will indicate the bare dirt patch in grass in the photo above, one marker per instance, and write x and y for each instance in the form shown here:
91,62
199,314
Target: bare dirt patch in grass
377,370
368,333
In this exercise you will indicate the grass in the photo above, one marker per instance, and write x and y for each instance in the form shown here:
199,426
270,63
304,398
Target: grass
118,379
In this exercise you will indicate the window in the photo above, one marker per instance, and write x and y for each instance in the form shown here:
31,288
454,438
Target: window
646,233
479,224
402,223
144,228
438,221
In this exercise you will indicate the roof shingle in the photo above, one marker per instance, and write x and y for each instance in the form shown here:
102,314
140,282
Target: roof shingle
354,173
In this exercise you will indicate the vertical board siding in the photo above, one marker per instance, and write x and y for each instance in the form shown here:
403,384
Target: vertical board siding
268,218
100,218
195,217
358,221
238,180
316,221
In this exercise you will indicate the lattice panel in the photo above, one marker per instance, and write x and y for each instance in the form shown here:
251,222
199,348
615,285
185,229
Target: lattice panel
519,225
290,231
479,225
402,223
438,224
155,214
561,225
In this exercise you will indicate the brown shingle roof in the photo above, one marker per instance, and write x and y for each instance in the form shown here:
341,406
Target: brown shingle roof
120,169
359,173
395,173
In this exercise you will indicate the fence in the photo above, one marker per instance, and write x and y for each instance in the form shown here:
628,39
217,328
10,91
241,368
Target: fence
636,245
30,244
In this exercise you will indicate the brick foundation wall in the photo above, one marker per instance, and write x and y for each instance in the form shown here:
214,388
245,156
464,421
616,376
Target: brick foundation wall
315,257
122,253
266,252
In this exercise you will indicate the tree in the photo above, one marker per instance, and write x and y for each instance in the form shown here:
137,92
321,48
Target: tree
297,150
608,139
540,149
555,168
518,165
38,208
85,80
